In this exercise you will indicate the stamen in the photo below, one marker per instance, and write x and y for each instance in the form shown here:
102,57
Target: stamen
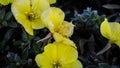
56,65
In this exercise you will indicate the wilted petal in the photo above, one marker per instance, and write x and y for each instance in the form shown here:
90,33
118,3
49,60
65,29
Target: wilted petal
66,29
59,38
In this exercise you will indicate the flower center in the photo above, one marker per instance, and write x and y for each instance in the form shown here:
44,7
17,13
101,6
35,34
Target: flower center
56,65
31,16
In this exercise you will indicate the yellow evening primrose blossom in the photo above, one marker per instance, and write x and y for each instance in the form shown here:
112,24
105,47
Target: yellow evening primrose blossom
52,18
111,31
58,55
6,2
28,13
52,1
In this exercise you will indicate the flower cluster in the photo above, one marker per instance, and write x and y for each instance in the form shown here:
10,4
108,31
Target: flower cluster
38,14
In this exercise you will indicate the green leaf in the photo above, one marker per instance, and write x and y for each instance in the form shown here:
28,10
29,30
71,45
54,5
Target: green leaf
25,53
111,6
104,65
2,14
26,37
4,23
8,34
12,24
8,15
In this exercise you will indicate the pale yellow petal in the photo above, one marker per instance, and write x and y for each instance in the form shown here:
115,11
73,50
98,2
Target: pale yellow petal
51,52
39,5
115,29
20,6
53,17
42,61
75,64
37,24
59,38
105,29
52,1
66,29
66,53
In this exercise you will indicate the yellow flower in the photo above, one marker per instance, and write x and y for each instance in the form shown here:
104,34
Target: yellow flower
52,1
54,21
111,31
6,2
53,17
58,55
28,13
66,29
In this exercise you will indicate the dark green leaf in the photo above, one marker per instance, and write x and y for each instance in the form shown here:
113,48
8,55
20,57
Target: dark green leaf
12,24
2,13
8,34
111,6
104,65
4,23
8,16
25,53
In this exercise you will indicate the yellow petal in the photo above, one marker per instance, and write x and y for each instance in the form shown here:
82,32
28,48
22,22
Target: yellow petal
42,61
115,29
25,23
37,24
28,28
52,1
117,43
75,64
39,5
51,51
20,6
59,38
105,29
111,31
66,53
52,17
6,2
66,29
